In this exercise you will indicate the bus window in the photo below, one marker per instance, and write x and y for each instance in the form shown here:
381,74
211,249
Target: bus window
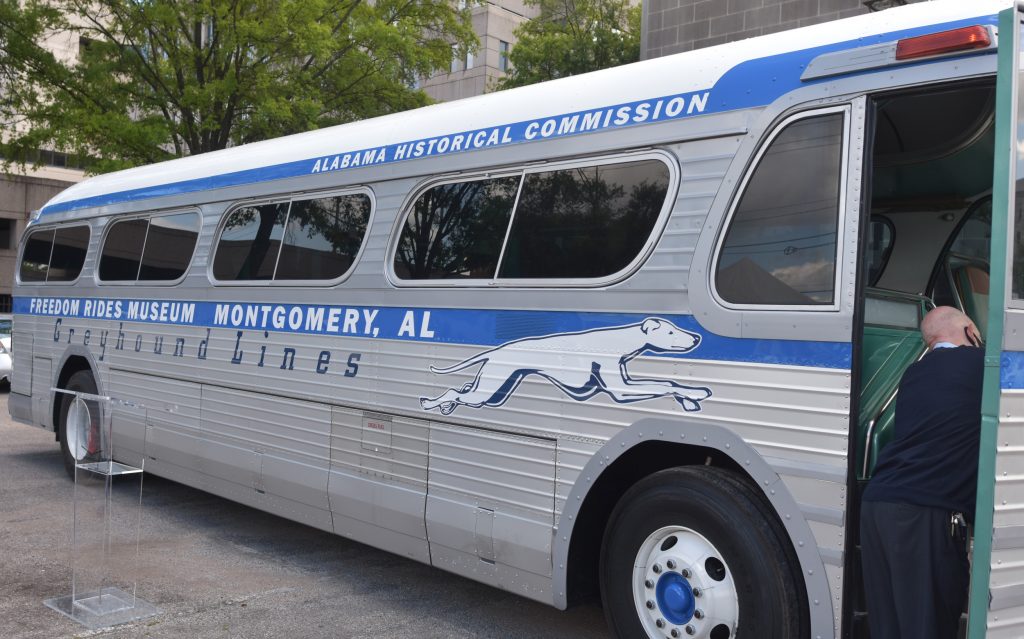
584,222
780,247
69,246
456,230
323,237
249,243
170,242
54,256
36,259
122,251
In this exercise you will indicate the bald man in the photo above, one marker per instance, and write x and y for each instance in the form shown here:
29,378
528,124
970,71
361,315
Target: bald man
913,547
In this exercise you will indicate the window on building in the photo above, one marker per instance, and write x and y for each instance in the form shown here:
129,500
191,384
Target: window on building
780,248
469,60
458,62
503,55
304,239
582,222
8,229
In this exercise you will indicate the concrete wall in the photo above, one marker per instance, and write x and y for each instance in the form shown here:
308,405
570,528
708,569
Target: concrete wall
671,26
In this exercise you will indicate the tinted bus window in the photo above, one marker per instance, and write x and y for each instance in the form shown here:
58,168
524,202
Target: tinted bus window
69,247
169,246
323,237
249,243
122,251
35,261
780,248
456,230
584,222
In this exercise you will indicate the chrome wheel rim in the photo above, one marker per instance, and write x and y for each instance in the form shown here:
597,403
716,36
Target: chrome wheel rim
682,587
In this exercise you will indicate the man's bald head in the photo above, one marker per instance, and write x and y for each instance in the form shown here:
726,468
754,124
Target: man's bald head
947,324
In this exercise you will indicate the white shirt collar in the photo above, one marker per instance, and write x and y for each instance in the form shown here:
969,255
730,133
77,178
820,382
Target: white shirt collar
939,345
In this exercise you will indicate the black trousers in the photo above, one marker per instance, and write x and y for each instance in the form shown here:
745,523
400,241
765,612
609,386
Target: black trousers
916,576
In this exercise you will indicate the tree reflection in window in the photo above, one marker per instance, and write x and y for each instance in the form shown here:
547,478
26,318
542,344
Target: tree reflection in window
456,230
250,242
323,237
584,222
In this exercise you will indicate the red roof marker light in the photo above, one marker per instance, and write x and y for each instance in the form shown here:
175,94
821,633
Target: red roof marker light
963,39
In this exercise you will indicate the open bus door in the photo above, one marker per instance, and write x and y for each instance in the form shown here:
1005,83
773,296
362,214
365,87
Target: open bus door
997,580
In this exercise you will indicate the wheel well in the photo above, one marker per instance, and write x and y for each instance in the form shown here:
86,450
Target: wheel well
73,364
640,461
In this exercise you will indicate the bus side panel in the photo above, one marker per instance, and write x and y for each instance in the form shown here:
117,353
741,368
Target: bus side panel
21,361
277,447
1006,606
490,507
378,480
169,420
42,382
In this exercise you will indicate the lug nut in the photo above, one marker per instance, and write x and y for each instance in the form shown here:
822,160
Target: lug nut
675,632
696,592
671,564
650,605
657,569
660,623
649,583
698,614
686,573
690,630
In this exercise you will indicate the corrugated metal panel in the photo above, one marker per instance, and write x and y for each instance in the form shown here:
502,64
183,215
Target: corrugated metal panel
1006,608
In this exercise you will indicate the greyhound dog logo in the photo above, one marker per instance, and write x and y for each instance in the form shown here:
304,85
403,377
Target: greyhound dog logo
504,367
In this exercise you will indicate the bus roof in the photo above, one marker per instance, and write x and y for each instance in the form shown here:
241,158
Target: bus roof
727,77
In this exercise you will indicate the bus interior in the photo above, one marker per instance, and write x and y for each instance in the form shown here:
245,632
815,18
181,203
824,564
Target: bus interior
927,241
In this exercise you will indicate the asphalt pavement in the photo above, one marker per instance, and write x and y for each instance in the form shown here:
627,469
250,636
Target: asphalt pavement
219,569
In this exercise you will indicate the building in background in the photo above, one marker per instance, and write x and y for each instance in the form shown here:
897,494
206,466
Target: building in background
23,192
672,26
494,23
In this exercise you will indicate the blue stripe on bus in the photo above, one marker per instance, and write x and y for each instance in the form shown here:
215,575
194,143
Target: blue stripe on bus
749,84
476,327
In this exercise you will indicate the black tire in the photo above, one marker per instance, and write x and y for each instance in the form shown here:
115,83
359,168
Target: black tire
83,382
738,523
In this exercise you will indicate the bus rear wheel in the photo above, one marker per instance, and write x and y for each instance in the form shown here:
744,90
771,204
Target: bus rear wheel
78,422
695,552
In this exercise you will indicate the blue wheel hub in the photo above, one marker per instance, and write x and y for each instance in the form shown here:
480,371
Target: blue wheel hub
675,598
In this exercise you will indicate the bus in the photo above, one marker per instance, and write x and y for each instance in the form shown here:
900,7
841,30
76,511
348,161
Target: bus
634,334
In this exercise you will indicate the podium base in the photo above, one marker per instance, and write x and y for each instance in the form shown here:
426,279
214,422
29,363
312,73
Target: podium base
103,608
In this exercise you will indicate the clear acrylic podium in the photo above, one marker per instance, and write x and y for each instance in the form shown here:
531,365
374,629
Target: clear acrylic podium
106,520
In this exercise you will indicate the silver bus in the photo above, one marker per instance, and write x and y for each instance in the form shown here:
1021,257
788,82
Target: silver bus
633,334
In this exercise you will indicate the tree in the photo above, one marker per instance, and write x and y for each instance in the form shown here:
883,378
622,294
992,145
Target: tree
158,79
571,37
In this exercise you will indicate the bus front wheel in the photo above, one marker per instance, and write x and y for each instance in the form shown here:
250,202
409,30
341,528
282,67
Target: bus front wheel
695,552
78,422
